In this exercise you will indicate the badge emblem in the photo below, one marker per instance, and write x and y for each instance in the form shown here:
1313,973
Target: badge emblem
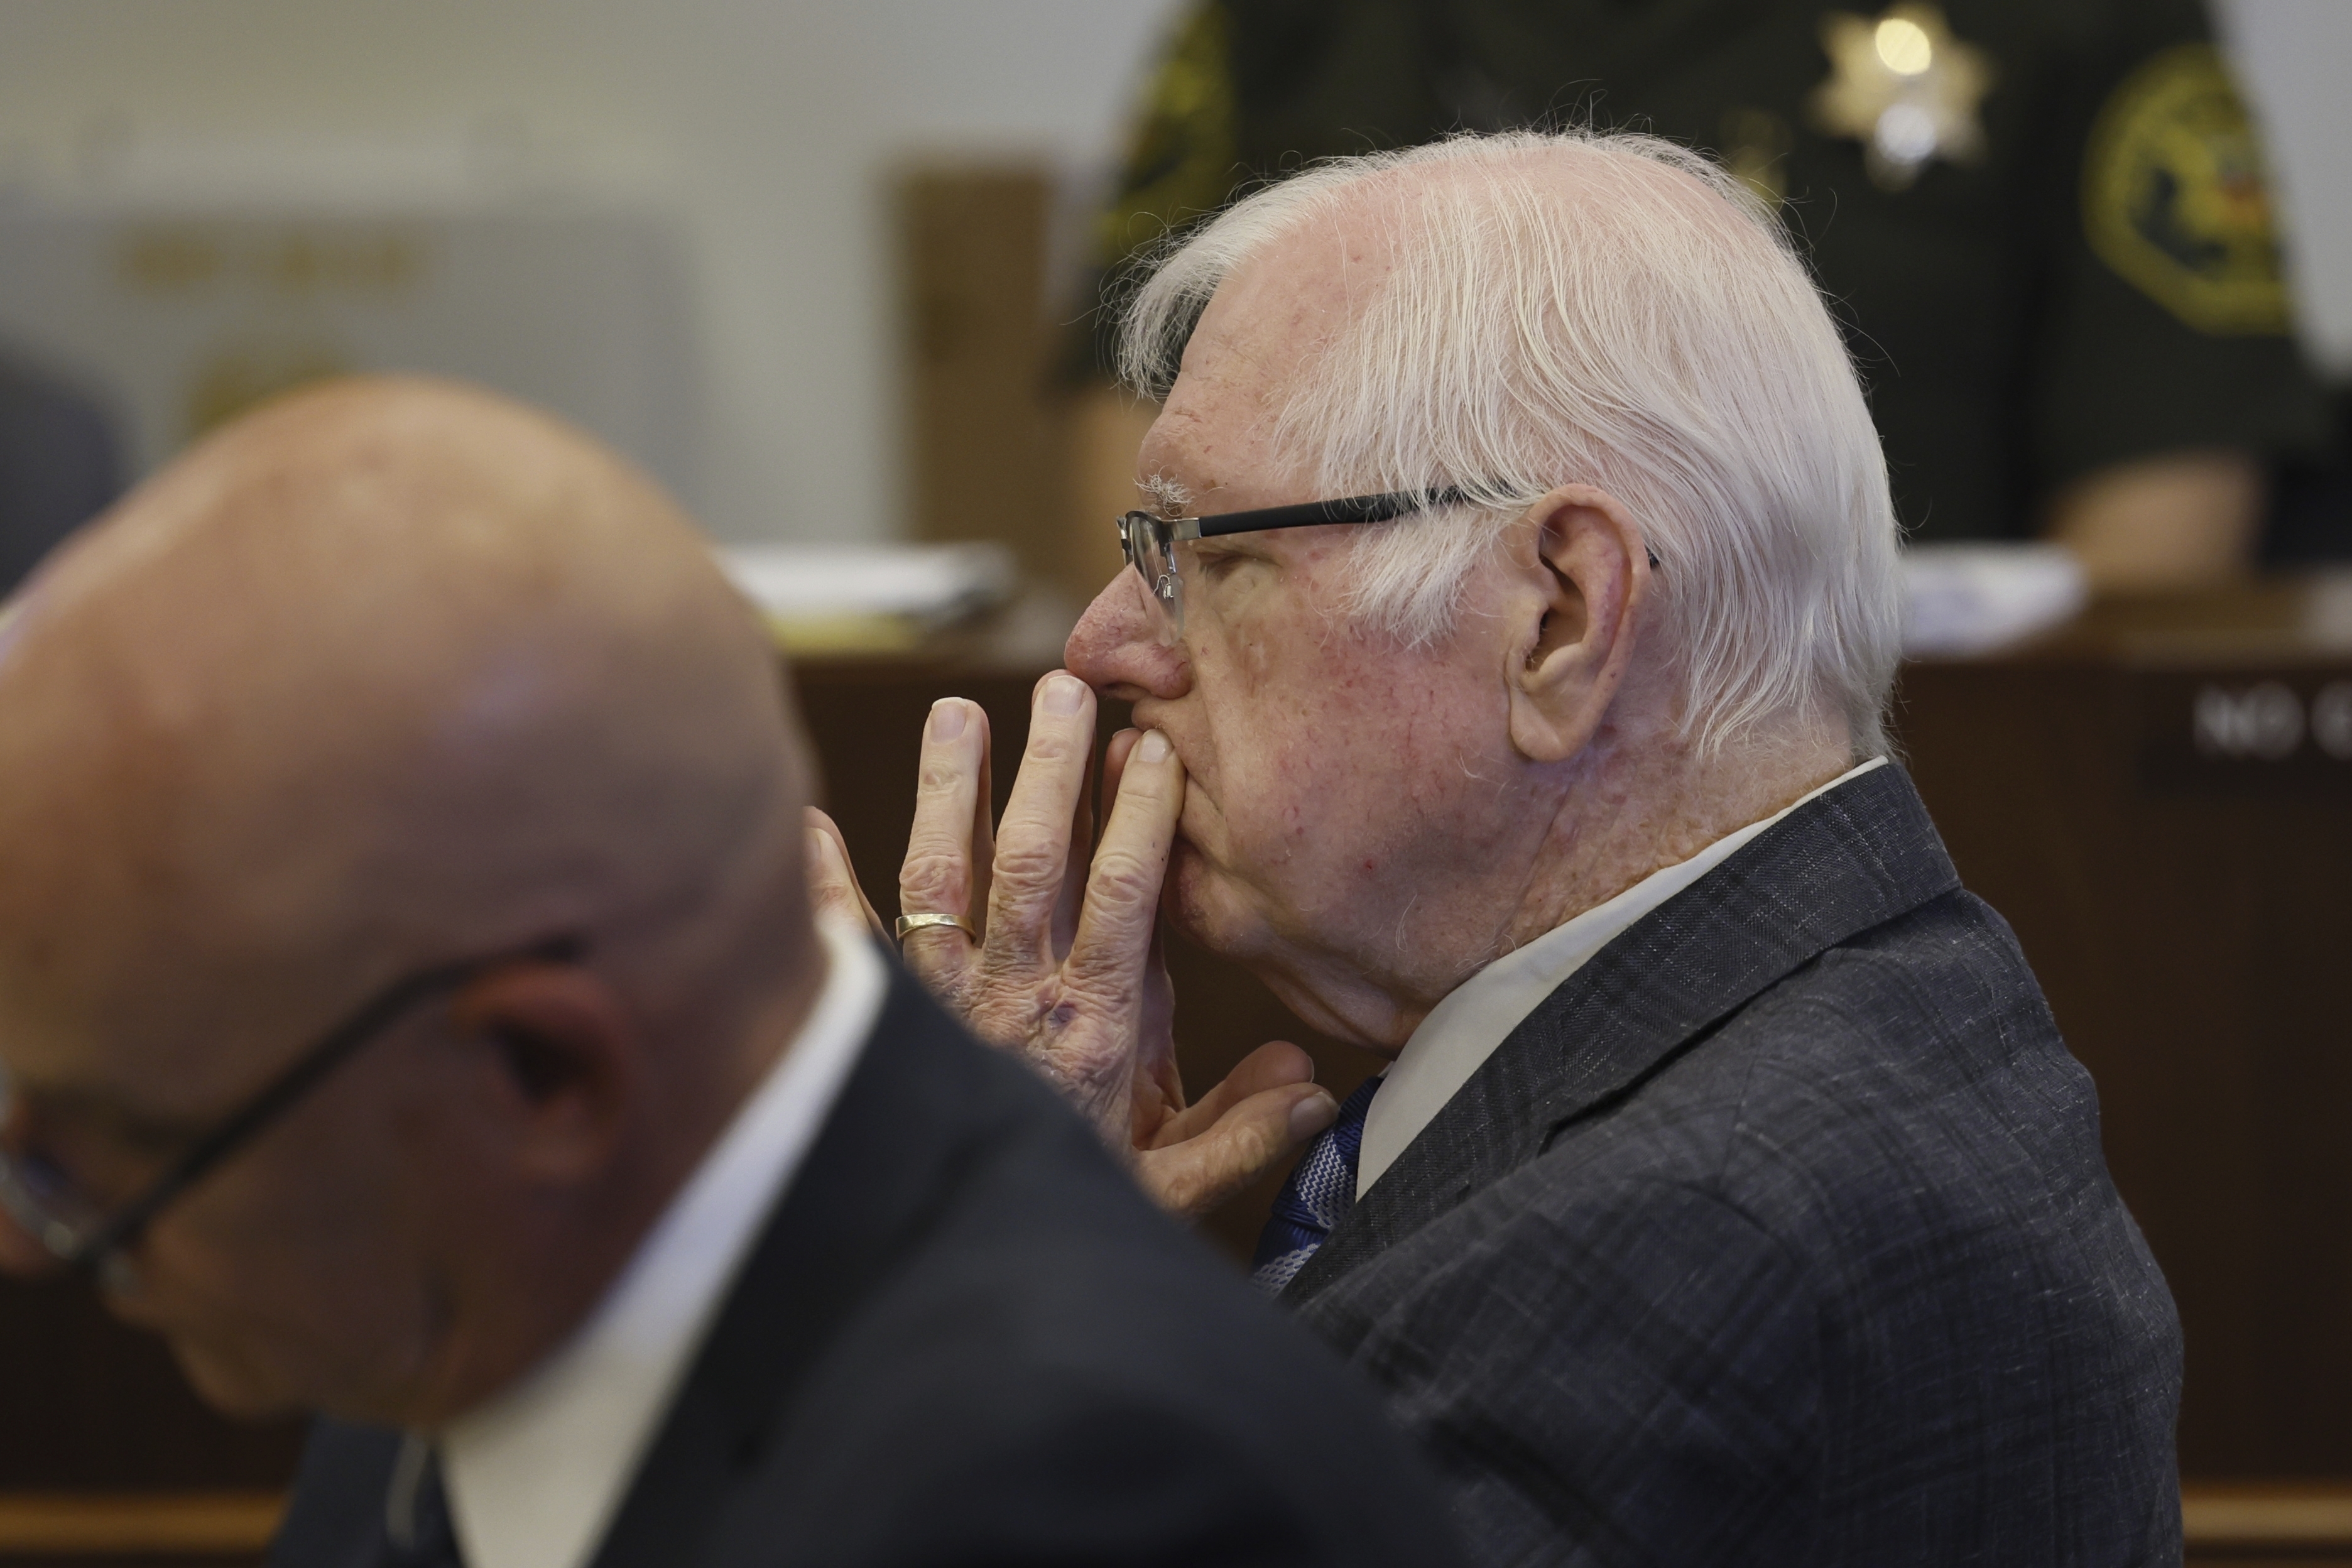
1904,88
2174,200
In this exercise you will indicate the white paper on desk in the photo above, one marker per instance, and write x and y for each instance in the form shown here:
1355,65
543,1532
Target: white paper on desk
1963,599
933,584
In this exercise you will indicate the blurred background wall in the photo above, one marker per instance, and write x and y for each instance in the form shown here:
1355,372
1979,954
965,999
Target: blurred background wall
754,138
732,162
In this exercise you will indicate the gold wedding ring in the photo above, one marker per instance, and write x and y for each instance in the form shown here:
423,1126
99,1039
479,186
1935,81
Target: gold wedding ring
924,922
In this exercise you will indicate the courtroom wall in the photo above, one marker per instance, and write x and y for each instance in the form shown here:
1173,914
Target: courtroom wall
766,125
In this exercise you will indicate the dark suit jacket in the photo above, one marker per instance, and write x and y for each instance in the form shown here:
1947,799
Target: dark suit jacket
965,1339
1778,1234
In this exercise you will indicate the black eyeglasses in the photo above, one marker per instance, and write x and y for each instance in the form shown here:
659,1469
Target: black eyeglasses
79,1230
1150,541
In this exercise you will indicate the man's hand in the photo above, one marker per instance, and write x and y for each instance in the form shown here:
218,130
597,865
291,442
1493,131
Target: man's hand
1066,970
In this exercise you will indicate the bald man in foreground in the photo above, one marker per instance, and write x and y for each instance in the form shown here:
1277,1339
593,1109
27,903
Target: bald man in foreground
411,1007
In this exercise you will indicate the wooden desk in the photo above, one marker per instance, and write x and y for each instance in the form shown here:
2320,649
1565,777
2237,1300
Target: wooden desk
2159,800
150,1529
2225,1525
2239,1524
2185,903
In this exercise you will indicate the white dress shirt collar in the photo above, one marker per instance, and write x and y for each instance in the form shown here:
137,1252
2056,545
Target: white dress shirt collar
535,1476
1462,1031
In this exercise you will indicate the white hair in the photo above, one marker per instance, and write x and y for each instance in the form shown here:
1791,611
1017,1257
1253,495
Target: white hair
1596,308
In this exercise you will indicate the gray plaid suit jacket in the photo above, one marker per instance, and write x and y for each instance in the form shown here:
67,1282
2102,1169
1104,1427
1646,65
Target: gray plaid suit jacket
1778,1234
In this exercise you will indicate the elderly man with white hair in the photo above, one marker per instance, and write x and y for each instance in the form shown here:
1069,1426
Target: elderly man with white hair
1508,646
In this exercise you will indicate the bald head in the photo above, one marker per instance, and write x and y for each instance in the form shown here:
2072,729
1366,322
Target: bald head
390,670
390,674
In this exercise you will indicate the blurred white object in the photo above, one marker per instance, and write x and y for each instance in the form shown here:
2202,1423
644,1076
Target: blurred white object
868,598
1963,599
2289,56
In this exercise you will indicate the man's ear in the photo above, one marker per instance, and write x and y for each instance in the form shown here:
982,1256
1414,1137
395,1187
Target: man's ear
1584,573
564,1059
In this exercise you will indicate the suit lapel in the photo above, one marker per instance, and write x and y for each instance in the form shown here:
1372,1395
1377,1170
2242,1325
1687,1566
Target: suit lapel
879,1174
1851,859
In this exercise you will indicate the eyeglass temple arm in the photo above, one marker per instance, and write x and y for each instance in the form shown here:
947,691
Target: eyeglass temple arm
1348,509
1310,514
292,1084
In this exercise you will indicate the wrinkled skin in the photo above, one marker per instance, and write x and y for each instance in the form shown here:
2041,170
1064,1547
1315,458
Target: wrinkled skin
1068,972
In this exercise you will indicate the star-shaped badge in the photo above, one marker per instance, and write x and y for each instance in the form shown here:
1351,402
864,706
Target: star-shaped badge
1904,88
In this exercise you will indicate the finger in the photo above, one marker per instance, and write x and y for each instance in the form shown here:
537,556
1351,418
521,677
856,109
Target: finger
1191,1177
984,820
833,882
1277,1064
1072,894
1110,958
1114,763
1114,755
1156,1062
1033,841
937,877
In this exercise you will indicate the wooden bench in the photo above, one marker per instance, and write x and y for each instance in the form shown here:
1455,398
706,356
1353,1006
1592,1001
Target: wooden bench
2226,1523
87,1530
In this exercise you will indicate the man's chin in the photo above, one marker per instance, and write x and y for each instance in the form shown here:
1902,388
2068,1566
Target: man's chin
1206,910
232,1387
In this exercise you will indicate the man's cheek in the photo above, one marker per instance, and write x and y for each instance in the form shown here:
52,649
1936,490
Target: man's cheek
1198,828
232,1382
1186,898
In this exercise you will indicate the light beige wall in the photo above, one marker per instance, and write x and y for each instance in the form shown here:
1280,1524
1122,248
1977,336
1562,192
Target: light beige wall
767,127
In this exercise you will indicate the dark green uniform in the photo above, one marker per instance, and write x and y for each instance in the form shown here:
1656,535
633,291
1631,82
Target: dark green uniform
2055,255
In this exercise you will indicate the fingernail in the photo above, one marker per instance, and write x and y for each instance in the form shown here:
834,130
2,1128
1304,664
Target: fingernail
820,847
947,719
1063,693
1152,748
1311,1115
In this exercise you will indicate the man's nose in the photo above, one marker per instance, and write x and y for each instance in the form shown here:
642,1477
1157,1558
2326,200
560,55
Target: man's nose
20,1253
1118,648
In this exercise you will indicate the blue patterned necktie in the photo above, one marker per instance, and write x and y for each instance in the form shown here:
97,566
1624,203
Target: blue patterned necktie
1320,1192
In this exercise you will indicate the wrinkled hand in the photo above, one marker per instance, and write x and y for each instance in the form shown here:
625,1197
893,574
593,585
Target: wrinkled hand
1067,970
